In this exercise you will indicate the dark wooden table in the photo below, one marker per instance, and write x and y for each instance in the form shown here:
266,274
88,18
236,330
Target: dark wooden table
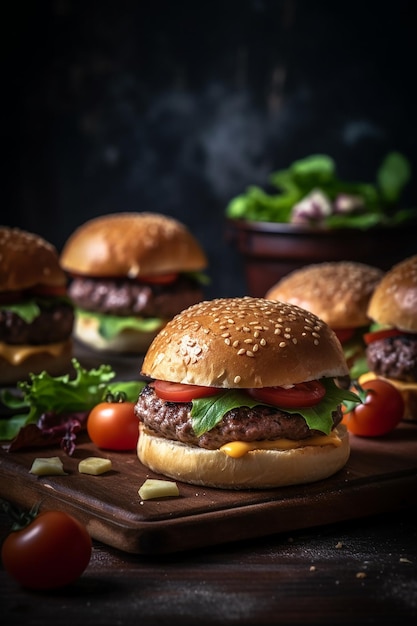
361,572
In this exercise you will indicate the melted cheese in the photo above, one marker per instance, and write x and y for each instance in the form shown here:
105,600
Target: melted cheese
237,449
400,384
17,354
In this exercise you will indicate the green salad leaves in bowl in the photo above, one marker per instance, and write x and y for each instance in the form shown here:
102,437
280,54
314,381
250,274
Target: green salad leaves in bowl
309,192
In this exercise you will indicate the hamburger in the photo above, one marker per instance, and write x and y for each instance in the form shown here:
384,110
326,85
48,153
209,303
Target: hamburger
338,292
392,343
36,315
241,394
130,273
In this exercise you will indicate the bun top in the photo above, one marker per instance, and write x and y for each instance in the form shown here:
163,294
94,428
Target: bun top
244,342
337,292
132,244
27,260
394,301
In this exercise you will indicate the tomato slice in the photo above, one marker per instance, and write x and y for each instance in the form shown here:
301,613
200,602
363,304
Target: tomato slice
300,395
344,334
159,279
384,333
178,392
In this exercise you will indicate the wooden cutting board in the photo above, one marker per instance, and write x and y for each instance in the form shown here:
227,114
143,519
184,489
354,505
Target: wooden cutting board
381,475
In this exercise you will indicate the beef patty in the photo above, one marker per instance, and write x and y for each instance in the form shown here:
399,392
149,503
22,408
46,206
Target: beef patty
173,421
126,297
394,357
54,324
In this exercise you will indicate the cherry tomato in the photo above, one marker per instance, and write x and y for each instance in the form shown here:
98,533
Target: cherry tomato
344,334
52,550
302,394
178,392
113,425
381,334
381,410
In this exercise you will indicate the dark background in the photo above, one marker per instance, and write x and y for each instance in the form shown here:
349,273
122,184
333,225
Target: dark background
176,106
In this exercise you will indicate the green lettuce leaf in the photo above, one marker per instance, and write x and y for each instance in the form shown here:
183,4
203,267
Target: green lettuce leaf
110,326
206,413
61,395
30,308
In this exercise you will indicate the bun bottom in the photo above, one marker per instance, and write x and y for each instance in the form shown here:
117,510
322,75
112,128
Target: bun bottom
56,363
127,341
258,469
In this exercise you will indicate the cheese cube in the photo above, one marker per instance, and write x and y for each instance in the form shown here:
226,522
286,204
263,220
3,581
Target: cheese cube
153,488
94,465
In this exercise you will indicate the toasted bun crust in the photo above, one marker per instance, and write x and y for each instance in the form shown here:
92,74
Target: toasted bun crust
337,292
27,260
131,245
127,341
394,301
55,363
255,470
244,342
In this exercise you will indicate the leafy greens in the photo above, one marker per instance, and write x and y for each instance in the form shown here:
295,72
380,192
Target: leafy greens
207,412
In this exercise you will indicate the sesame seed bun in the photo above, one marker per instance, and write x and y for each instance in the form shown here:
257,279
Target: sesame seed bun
394,301
243,343
131,245
337,292
27,260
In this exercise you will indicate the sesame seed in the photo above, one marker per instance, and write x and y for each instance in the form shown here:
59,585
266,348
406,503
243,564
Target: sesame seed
237,379
282,344
241,351
227,341
249,353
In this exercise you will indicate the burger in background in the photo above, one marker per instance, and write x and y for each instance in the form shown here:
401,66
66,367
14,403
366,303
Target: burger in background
36,315
244,396
338,292
130,273
392,343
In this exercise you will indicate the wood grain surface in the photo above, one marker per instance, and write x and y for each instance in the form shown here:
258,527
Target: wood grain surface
381,475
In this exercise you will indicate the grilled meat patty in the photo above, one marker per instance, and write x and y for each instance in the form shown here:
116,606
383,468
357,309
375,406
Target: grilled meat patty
173,421
126,297
54,324
394,357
